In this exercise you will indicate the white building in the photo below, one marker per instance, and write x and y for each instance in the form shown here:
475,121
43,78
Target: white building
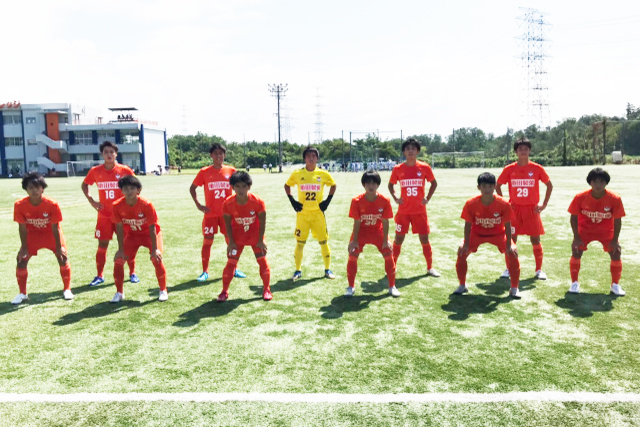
43,137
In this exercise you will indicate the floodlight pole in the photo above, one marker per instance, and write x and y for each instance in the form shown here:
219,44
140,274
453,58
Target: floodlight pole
278,91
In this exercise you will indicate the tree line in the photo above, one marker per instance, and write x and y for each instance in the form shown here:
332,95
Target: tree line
587,140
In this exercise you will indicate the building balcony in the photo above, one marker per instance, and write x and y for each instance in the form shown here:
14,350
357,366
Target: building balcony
135,147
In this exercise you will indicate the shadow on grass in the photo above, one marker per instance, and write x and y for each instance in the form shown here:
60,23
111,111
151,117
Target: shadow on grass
185,286
584,305
41,298
285,285
99,310
501,286
211,309
340,305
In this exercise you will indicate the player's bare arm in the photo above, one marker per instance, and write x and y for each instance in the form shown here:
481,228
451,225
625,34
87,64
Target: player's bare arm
464,248
353,244
262,217
232,247
120,236
60,252
155,253
499,189
432,189
24,249
507,231
194,196
392,191
385,234
577,241
297,206
614,247
547,196
96,205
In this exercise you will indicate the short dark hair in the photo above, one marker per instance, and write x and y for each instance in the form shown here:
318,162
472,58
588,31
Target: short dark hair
240,176
598,173
486,178
371,176
215,146
106,144
410,141
521,141
34,178
129,180
310,149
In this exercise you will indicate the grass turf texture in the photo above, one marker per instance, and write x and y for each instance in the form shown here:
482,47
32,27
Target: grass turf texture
310,338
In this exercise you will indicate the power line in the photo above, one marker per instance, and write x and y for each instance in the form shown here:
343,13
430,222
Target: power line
278,91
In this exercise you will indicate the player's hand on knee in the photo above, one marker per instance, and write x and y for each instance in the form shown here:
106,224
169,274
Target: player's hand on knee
232,250
61,254
263,247
387,246
119,254
576,244
512,251
156,255
23,253
614,248
353,246
463,250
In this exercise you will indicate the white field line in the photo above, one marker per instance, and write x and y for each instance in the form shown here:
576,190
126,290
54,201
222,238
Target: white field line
532,396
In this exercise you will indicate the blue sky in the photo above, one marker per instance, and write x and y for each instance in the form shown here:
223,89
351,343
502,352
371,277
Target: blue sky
402,65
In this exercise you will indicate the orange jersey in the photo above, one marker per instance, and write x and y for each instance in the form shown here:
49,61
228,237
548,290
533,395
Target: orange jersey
245,223
596,215
524,182
216,187
412,180
107,182
135,219
369,213
487,220
37,218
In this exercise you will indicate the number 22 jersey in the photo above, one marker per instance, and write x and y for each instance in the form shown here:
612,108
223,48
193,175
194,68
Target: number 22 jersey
310,187
216,187
107,182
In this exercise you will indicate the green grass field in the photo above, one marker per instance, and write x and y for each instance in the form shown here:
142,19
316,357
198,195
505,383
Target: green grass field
310,339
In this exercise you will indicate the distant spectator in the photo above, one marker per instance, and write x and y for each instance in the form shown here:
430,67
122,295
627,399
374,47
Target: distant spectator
270,167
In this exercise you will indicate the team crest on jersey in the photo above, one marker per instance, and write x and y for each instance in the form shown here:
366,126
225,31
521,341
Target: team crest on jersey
45,214
380,210
607,208
496,214
252,212
140,215
302,179
319,179
419,173
530,173
118,176
226,177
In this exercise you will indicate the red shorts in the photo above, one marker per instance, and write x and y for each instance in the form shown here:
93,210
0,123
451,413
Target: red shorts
419,223
498,240
211,225
37,241
104,228
132,243
256,250
368,238
527,221
595,237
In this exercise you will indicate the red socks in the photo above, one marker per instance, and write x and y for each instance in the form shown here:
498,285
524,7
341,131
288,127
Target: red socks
428,255
21,275
574,267
65,273
396,252
461,269
227,273
616,271
538,254
161,273
352,270
118,275
132,265
206,254
101,259
390,268
514,271
265,272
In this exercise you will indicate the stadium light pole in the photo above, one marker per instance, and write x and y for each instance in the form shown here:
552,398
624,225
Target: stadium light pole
278,91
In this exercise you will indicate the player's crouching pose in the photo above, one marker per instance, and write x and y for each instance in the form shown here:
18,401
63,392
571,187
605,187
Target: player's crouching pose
488,220
412,203
371,212
136,225
596,214
245,217
38,219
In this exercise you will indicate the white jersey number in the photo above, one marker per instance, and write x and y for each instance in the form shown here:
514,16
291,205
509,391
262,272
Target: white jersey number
412,191
522,192
110,194
220,194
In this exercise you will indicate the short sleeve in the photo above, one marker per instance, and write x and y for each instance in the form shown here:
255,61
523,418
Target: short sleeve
388,210
429,176
261,206
574,207
330,181
115,216
504,176
508,213
226,206
90,179
466,213
394,176
618,210
18,215
129,171
152,216
57,214
292,181
543,175
198,181
353,210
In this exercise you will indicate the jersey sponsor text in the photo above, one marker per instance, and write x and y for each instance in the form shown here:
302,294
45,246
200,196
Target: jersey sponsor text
523,182
411,182
596,216
218,185
488,222
108,185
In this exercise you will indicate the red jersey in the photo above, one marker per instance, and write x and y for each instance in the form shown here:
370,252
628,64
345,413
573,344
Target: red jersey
216,187
245,224
37,218
596,215
487,220
524,182
412,180
369,213
107,182
135,219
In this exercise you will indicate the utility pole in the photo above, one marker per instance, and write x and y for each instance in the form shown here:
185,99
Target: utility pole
564,146
453,139
278,91
342,147
604,141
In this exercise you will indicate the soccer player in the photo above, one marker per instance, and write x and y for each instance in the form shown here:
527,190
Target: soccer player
106,178
596,214
310,208
371,212
523,178
215,180
245,218
137,225
488,220
38,219
412,176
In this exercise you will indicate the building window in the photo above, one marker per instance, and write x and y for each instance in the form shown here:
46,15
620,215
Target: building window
11,119
13,142
33,166
83,138
31,120
107,136
129,137
32,142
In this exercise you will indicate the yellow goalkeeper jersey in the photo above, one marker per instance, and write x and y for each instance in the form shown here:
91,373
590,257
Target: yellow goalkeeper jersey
310,186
